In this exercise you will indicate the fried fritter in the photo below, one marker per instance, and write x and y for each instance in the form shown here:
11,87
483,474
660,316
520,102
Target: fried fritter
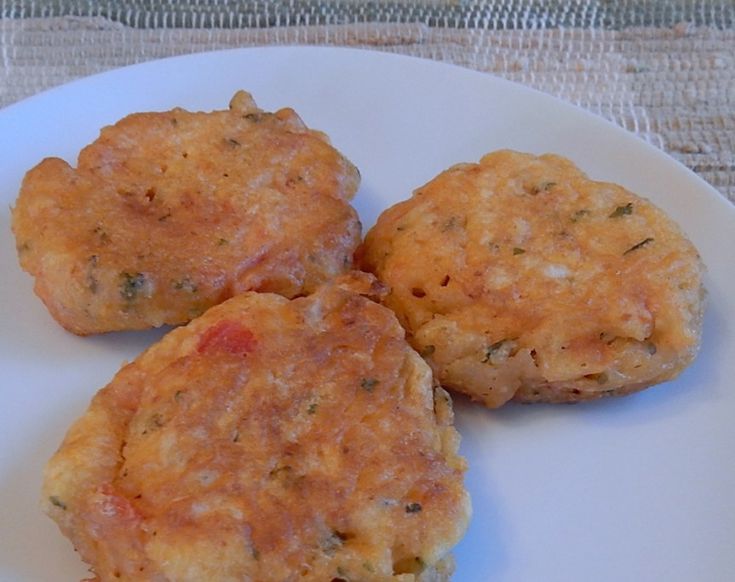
520,278
170,213
270,439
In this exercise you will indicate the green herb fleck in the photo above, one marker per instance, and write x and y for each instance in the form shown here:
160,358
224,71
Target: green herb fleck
179,396
333,542
608,338
57,502
635,247
312,408
600,378
369,384
542,187
368,566
92,283
341,571
518,251
233,142
131,285
413,507
427,351
577,216
492,350
453,222
154,423
622,211
196,311
185,284
222,242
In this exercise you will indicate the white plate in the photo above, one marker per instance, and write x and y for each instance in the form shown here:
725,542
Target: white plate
641,488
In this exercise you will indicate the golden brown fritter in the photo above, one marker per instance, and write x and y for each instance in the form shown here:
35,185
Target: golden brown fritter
270,439
519,277
170,213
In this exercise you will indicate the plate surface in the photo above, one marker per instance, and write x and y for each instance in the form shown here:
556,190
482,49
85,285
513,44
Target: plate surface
639,488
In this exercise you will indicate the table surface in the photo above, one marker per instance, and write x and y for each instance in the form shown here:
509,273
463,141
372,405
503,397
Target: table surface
663,70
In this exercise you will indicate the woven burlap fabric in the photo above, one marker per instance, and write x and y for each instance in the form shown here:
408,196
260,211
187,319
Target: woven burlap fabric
673,85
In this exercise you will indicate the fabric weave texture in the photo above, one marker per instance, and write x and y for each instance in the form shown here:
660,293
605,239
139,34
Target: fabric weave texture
663,70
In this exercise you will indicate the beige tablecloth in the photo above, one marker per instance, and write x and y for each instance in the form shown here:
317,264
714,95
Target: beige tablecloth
672,83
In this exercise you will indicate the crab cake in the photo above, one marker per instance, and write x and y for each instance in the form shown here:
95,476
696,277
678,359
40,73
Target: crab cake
270,439
521,278
170,213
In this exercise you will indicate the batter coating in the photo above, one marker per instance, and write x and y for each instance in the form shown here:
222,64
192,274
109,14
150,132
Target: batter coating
270,439
170,213
520,278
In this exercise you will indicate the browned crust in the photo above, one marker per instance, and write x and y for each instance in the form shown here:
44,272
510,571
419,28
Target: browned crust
521,278
267,440
169,213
